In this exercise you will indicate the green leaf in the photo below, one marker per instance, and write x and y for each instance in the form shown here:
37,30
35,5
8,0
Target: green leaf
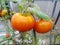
4,44
14,1
3,4
6,1
21,8
42,15
3,37
39,13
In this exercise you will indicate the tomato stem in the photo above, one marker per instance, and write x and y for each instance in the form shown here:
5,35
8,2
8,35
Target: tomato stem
8,42
35,37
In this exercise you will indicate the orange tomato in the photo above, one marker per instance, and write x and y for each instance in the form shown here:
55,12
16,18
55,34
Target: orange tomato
43,26
22,22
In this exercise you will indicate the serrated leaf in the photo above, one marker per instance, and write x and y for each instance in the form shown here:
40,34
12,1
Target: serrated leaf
39,13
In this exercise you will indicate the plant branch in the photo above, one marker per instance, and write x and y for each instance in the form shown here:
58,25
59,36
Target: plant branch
35,37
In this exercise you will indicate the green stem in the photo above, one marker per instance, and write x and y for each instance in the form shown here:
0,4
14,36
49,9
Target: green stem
35,37
8,42
55,39
13,33
22,38
13,42
7,27
59,41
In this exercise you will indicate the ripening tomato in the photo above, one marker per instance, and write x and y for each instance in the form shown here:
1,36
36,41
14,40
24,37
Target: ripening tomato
22,22
43,26
8,35
4,12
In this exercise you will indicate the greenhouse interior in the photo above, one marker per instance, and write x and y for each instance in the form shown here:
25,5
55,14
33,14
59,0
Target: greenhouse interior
29,22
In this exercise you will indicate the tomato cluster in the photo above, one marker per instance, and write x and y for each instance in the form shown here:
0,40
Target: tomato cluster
25,22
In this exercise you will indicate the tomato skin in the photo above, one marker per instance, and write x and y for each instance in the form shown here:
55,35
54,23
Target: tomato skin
43,26
22,23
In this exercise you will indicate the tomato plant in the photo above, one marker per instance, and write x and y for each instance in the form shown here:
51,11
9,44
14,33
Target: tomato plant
43,26
22,22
